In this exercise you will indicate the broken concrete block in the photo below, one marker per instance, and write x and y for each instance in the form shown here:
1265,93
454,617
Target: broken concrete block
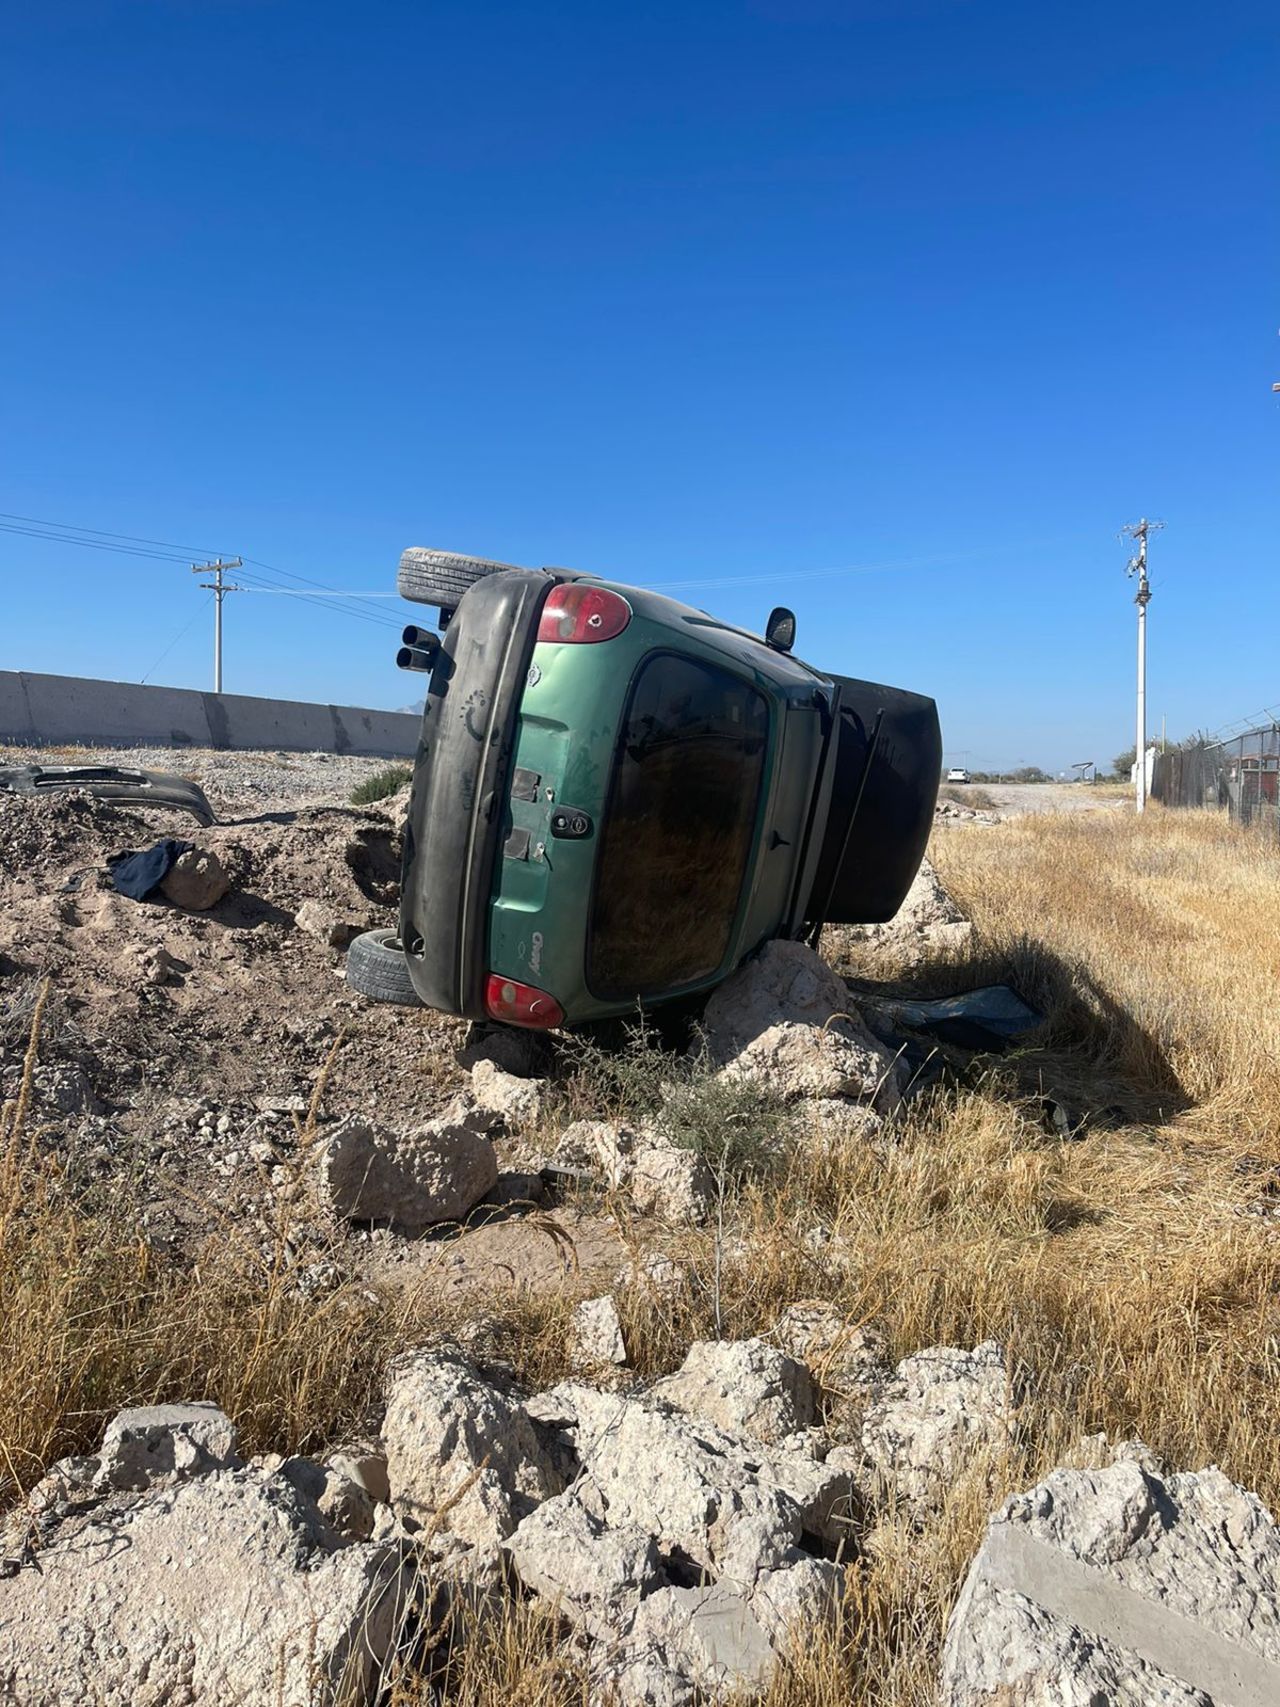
325,925
597,1574
672,1183
517,1101
927,923
729,1504
1119,1585
595,1333
409,1179
364,1465
524,1054
225,1589
654,1274
844,1358
341,1501
742,1385
154,1445
786,1020
597,1147
456,1441
942,1406
798,1600
709,1636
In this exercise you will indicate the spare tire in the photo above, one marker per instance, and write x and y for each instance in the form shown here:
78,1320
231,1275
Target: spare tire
377,968
440,578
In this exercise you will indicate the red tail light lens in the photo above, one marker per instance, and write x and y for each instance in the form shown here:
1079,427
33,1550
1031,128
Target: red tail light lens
521,1004
575,611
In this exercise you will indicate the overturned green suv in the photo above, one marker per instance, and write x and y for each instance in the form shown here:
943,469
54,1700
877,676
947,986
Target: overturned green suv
616,798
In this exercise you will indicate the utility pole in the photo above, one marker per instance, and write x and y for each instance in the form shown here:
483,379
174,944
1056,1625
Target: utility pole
1142,598
219,589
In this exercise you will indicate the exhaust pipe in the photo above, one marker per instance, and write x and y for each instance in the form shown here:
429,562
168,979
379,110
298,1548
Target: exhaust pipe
420,649
414,658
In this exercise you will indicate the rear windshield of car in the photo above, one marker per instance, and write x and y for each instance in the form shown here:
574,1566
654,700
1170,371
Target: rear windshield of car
678,829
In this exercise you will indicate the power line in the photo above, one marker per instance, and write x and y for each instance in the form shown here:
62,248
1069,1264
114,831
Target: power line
103,533
91,544
189,624
294,593
256,584
171,552
168,551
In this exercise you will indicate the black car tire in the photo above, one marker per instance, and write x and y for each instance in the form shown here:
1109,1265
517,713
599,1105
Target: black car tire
377,968
440,578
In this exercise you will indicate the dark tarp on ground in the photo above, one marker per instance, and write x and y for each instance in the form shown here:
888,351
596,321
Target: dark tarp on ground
138,874
989,1018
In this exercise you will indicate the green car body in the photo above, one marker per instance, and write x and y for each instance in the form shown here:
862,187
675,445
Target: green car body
619,819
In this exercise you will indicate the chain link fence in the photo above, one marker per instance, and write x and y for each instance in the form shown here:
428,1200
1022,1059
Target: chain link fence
1240,776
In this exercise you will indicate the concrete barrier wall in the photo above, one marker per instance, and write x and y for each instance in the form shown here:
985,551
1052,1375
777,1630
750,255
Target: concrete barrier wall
38,710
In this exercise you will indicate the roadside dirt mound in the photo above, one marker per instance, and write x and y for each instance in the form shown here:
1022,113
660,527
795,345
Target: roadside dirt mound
186,1041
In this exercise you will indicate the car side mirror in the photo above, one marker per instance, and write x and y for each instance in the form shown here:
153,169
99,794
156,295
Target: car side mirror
780,630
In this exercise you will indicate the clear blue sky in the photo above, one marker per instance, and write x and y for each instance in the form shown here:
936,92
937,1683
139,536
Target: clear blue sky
720,293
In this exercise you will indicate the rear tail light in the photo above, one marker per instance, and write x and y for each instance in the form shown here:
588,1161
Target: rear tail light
521,1004
575,611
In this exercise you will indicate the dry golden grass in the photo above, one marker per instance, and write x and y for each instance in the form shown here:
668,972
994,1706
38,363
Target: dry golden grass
1132,1275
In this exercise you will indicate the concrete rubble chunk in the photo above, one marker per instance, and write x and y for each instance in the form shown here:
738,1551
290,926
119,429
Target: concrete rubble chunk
596,1333
664,1179
316,919
152,1445
1123,1586
516,1190
517,1101
804,1061
708,1636
785,982
344,1504
844,1358
719,1500
786,1020
927,921
597,1573
941,1407
459,1444
409,1179
832,1122
222,1590
641,1678
364,1465
744,1385
799,1599
672,1183
196,881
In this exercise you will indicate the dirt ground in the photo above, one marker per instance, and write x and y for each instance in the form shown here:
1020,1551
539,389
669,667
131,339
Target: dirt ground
180,1050
1014,799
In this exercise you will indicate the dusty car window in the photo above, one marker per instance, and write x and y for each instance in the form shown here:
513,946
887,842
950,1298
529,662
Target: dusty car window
678,829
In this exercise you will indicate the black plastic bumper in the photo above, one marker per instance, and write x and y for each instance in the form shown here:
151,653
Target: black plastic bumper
460,782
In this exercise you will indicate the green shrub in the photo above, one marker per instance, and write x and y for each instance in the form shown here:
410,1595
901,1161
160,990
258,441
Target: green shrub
735,1125
381,785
